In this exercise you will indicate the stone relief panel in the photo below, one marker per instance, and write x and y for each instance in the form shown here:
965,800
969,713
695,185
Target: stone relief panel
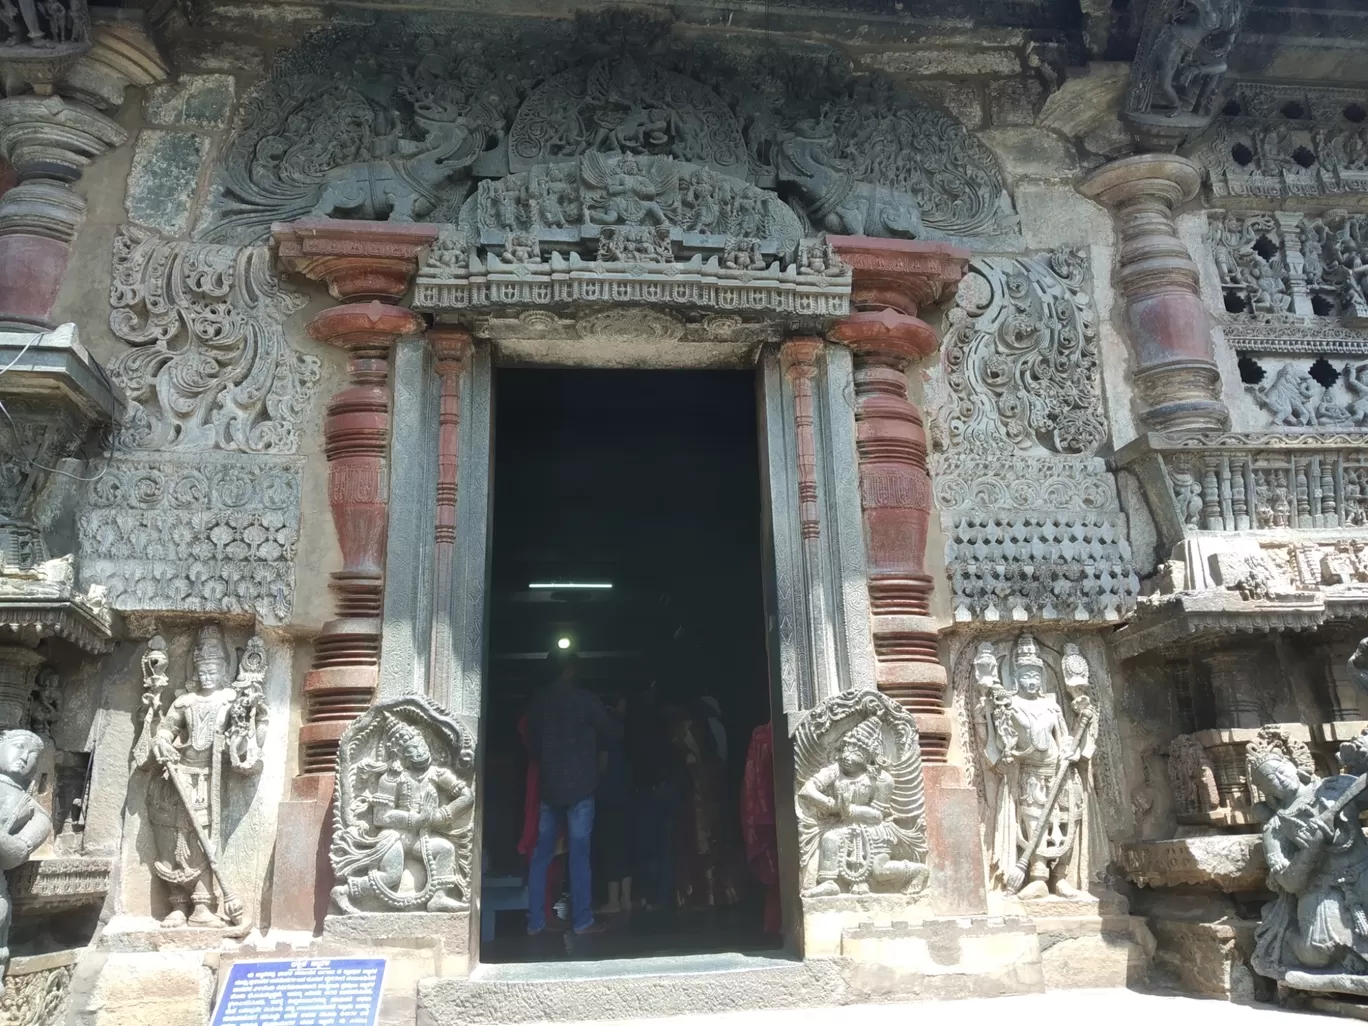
1033,523
39,997
211,367
1036,713
1179,63
183,532
413,139
1274,142
861,799
191,739
1317,858
404,834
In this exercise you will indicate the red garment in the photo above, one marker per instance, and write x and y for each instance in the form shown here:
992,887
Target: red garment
758,822
555,871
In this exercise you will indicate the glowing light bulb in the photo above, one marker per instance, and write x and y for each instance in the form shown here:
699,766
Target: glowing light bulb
562,643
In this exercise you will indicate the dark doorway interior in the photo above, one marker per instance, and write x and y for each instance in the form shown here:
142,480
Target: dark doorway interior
648,481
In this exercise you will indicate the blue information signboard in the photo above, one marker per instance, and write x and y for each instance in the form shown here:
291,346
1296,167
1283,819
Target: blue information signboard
302,992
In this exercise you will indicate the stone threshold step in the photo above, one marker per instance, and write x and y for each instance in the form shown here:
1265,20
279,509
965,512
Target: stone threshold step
657,987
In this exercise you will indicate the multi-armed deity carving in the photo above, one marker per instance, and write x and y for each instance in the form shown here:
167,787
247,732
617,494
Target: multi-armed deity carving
1313,936
1039,754
213,726
848,153
861,802
24,824
404,835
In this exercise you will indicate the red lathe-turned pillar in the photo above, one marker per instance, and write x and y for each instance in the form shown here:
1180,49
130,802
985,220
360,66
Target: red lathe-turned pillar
893,278
366,266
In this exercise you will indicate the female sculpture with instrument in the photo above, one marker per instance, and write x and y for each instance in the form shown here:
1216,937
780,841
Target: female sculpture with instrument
1314,934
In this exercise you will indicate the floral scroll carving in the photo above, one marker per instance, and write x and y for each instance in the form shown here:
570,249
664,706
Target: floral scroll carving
1021,358
211,367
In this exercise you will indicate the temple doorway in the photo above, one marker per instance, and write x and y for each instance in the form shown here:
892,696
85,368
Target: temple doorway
627,529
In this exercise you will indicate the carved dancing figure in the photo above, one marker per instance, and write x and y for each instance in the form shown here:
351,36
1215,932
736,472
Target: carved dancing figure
404,833
1042,767
860,797
1314,934
25,823
1190,49
213,721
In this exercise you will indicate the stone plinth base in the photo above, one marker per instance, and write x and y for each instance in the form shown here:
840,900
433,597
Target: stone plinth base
144,934
123,988
444,936
1207,958
825,920
1088,951
978,956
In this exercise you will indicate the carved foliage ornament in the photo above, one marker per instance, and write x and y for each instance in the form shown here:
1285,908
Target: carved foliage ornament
1021,359
212,368
861,799
852,154
403,835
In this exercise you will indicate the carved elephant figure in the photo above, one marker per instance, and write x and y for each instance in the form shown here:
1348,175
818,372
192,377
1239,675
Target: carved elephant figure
400,188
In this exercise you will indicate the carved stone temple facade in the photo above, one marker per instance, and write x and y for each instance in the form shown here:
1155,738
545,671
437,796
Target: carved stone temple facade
1059,331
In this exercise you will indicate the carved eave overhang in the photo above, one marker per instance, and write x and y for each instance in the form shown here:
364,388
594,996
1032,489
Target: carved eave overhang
43,602
55,368
1188,619
1232,862
60,884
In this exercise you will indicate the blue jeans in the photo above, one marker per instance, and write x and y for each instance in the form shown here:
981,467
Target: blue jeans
579,825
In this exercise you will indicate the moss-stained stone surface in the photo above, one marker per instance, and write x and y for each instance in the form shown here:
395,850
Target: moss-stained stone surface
201,101
161,185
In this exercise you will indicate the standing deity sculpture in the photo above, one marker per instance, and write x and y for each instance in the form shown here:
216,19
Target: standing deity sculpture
404,833
216,719
1313,935
1040,757
861,800
24,824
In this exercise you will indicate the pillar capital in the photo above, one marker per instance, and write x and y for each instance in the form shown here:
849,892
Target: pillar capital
48,138
366,330
892,279
359,260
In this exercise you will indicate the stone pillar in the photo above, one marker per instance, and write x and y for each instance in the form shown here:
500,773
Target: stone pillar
450,348
48,141
365,265
893,279
1177,382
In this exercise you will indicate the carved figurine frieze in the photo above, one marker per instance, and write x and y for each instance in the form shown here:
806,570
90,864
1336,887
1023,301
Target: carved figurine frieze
24,824
411,138
861,800
215,725
1039,752
1313,935
403,837
1274,141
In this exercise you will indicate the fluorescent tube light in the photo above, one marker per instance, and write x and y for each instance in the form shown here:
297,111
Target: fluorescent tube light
570,586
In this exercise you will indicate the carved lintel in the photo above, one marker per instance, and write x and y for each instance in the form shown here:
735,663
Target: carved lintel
359,260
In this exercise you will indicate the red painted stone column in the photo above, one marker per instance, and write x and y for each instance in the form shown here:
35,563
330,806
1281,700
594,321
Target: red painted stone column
450,347
893,279
366,265
1178,384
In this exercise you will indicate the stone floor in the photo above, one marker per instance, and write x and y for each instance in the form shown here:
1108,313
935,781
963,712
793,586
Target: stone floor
1059,1008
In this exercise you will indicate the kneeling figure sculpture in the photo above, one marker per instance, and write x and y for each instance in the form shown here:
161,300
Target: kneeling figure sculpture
861,800
404,835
